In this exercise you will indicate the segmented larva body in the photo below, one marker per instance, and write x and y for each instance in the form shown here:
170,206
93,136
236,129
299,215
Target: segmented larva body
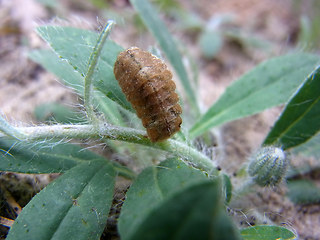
148,86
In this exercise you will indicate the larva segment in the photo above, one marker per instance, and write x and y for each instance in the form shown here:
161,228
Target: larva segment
148,86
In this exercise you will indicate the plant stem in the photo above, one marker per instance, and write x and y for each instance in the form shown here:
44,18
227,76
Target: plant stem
93,60
106,131
9,130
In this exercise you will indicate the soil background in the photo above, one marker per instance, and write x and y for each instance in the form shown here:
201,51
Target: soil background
25,85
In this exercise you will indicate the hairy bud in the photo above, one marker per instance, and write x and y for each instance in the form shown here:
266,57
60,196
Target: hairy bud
268,166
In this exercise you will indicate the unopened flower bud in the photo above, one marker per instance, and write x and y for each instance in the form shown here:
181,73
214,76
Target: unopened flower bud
268,166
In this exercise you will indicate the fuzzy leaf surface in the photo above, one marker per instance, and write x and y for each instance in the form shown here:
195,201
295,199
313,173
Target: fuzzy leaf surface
71,78
267,233
75,206
67,42
156,26
56,112
300,120
194,213
41,157
152,187
270,84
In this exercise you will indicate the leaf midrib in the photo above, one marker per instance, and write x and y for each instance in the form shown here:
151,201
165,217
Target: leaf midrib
77,196
287,129
237,102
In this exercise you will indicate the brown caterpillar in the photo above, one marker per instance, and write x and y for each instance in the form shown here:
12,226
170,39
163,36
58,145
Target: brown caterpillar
148,86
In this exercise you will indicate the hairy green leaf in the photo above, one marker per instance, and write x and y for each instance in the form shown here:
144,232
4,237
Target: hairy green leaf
269,84
73,79
300,120
153,186
266,232
75,47
156,26
45,157
75,206
194,213
56,112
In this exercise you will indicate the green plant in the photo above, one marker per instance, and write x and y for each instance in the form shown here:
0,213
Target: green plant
182,197
309,33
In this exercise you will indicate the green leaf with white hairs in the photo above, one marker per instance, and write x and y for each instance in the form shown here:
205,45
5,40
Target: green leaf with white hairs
71,78
44,157
300,120
47,157
267,232
75,47
168,199
153,186
56,112
269,84
156,26
75,206
193,213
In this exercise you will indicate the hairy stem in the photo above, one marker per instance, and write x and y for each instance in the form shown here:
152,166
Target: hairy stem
9,130
105,131
93,60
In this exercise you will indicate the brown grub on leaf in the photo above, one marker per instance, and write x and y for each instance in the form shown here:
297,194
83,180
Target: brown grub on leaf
148,86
